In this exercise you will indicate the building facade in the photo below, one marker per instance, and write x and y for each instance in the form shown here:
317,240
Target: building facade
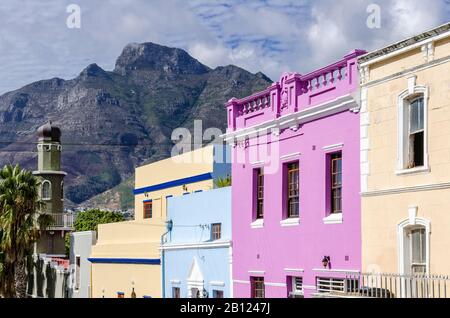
80,268
405,155
197,250
129,251
296,180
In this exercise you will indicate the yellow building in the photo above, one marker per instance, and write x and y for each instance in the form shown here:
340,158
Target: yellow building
405,155
126,254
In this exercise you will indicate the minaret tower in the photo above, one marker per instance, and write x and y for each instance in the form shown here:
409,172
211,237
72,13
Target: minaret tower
51,190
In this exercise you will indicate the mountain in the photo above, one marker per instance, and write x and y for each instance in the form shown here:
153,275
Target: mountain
112,121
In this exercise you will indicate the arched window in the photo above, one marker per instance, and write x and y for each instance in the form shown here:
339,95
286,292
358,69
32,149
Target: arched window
62,190
46,190
413,244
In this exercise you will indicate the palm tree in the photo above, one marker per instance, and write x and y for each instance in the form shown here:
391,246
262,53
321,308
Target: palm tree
21,222
223,182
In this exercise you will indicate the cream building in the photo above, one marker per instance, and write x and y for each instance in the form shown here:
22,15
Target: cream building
126,255
405,155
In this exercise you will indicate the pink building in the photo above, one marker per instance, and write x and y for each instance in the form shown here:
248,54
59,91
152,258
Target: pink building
296,183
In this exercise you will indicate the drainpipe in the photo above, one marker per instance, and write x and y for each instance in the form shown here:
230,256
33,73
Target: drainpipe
169,225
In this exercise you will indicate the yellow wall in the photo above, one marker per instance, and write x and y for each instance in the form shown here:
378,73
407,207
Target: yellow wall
141,238
146,280
382,212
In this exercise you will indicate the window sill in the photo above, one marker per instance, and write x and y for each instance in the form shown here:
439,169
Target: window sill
290,222
334,218
257,224
413,170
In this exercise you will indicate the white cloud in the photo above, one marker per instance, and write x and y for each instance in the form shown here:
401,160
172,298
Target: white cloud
271,36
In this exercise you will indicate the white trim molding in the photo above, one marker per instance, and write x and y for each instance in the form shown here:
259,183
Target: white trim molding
257,163
425,187
213,244
364,122
238,281
333,218
411,221
275,284
175,281
257,224
290,156
290,222
294,270
254,272
217,283
333,147
332,270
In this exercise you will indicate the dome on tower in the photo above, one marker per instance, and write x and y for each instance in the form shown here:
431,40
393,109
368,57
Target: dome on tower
48,132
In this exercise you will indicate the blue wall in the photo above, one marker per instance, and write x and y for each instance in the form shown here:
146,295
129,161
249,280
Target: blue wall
188,213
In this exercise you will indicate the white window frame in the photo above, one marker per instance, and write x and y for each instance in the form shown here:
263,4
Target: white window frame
411,222
49,192
404,100
294,291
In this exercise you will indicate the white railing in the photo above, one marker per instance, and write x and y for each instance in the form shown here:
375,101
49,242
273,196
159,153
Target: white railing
62,220
383,285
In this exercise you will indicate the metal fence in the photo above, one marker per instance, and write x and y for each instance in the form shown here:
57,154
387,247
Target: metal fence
382,285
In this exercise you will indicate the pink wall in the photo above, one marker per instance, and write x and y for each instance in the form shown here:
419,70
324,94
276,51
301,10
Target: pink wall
273,248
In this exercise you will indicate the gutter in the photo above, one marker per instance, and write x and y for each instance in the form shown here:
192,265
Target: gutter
169,225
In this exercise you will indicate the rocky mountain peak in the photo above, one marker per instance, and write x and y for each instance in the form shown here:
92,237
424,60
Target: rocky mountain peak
154,57
93,70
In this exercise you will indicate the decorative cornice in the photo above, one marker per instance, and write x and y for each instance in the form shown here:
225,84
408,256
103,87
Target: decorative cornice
340,104
405,45
407,71
426,187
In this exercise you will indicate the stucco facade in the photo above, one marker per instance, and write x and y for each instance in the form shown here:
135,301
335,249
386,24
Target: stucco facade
194,258
302,121
80,268
129,251
405,184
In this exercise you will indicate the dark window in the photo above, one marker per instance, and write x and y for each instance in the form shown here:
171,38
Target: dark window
336,182
148,209
77,272
216,231
175,292
259,193
292,190
257,285
416,133
217,294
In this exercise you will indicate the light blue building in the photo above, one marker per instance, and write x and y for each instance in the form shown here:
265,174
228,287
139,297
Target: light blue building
197,250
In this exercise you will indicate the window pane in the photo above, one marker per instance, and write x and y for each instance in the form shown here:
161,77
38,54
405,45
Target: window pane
418,246
336,182
259,193
292,189
416,116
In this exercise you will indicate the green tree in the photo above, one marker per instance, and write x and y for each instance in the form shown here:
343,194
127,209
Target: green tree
222,182
89,221
21,222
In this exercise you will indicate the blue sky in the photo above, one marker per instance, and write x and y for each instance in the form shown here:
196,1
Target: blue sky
271,36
